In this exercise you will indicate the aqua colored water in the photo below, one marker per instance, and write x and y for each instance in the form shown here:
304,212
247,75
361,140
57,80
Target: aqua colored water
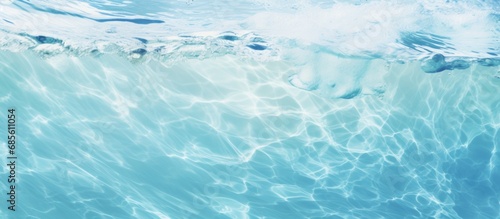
251,109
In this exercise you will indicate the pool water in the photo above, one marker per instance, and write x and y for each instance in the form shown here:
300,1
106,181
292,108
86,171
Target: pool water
251,109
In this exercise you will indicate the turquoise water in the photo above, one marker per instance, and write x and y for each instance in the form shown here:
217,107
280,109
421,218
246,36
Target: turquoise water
252,109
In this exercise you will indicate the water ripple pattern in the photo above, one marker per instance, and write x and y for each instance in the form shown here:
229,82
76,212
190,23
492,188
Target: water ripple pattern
252,109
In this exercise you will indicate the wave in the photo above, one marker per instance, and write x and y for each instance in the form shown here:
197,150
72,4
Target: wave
441,35
378,29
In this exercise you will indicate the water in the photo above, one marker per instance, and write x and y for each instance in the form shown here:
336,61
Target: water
252,109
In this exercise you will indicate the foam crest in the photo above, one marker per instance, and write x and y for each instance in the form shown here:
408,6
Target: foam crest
377,29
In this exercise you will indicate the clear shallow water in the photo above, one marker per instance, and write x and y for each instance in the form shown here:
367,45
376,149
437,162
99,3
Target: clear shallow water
252,110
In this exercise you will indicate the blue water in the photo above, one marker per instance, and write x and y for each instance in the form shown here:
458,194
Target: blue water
252,109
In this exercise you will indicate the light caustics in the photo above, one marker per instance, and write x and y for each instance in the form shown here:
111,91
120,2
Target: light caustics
253,109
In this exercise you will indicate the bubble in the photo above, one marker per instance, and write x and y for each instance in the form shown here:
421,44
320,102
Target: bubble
436,64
